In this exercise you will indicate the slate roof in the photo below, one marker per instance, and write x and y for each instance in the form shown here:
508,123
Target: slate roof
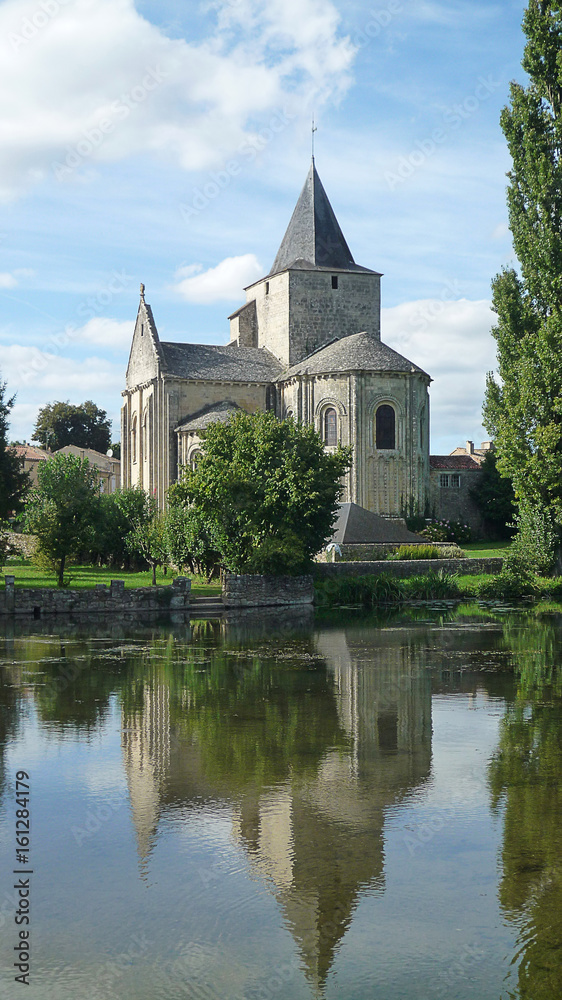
452,463
356,525
357,352
212,414
314,238
207,362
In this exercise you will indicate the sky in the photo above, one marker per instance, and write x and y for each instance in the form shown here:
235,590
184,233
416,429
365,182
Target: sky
167,142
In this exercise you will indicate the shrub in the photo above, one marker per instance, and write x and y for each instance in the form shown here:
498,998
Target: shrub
416,552
447,531
512,583
363,591
432,586
534,545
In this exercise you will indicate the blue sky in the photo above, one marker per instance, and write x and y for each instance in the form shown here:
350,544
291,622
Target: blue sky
168,142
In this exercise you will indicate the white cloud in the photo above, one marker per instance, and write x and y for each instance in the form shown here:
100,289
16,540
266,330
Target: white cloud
7,280
95,81
452,342
106,333
34,372
223,282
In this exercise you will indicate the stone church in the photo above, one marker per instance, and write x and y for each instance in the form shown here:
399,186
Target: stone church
306,344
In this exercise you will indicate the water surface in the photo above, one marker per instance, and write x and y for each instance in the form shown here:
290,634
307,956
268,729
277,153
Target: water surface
267,808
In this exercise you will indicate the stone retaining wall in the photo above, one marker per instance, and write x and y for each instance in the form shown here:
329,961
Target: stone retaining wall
408,567
113,600
247,591
371,551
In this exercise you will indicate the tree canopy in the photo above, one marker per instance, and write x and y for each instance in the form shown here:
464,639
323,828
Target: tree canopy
264,491
523,411
85,425
14,482
63,510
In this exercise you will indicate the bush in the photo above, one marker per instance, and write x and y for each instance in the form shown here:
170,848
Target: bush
432,586
447,531
513,582
534,545
363,591
416,552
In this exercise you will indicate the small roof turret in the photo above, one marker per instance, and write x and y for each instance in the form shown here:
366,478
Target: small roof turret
314,238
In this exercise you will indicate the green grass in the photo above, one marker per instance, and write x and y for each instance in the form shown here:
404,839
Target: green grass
84,577
482,550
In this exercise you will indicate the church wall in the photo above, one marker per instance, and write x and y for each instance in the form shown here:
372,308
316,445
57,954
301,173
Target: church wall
320,313
143,362
272,308
380,480
299,311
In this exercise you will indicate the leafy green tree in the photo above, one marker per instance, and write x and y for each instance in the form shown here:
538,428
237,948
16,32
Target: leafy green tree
120,513
523,411
116,449
494,497
149,539
63,510
188,541
85,426
14,482
266,492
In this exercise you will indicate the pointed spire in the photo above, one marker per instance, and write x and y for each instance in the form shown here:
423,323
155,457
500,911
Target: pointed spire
313,235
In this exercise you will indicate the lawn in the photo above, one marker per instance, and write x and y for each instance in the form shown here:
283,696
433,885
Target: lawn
81,577
478,550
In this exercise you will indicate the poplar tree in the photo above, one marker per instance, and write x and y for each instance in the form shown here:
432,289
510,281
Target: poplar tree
523,411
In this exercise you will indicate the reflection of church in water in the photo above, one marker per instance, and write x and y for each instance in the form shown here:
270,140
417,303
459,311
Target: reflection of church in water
316,838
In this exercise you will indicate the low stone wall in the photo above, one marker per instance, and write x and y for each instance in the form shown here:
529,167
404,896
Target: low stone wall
369,552
408,567
114,600
247,591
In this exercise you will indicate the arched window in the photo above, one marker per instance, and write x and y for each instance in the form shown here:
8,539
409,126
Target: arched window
134,439
145,433
330,427
385,421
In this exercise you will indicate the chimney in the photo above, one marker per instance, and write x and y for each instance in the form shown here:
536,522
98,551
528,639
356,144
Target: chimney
470,447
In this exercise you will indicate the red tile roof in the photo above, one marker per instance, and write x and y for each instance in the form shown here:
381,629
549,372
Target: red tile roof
31,454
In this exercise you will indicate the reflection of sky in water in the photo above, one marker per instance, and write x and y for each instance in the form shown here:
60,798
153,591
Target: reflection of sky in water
293,818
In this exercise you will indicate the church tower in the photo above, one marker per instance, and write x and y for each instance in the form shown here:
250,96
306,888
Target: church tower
315,293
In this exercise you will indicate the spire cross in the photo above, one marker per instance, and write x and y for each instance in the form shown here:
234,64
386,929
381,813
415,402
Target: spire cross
314,129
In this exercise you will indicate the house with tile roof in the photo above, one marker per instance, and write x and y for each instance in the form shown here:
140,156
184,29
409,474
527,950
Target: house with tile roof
306,344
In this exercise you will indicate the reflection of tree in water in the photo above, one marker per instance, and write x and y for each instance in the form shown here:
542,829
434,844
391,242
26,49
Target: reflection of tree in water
525,776
9,720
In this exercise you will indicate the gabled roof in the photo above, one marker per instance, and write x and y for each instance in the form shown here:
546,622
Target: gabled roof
453,462
314,238
212,414
222,364
357,352
31,454
356,525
